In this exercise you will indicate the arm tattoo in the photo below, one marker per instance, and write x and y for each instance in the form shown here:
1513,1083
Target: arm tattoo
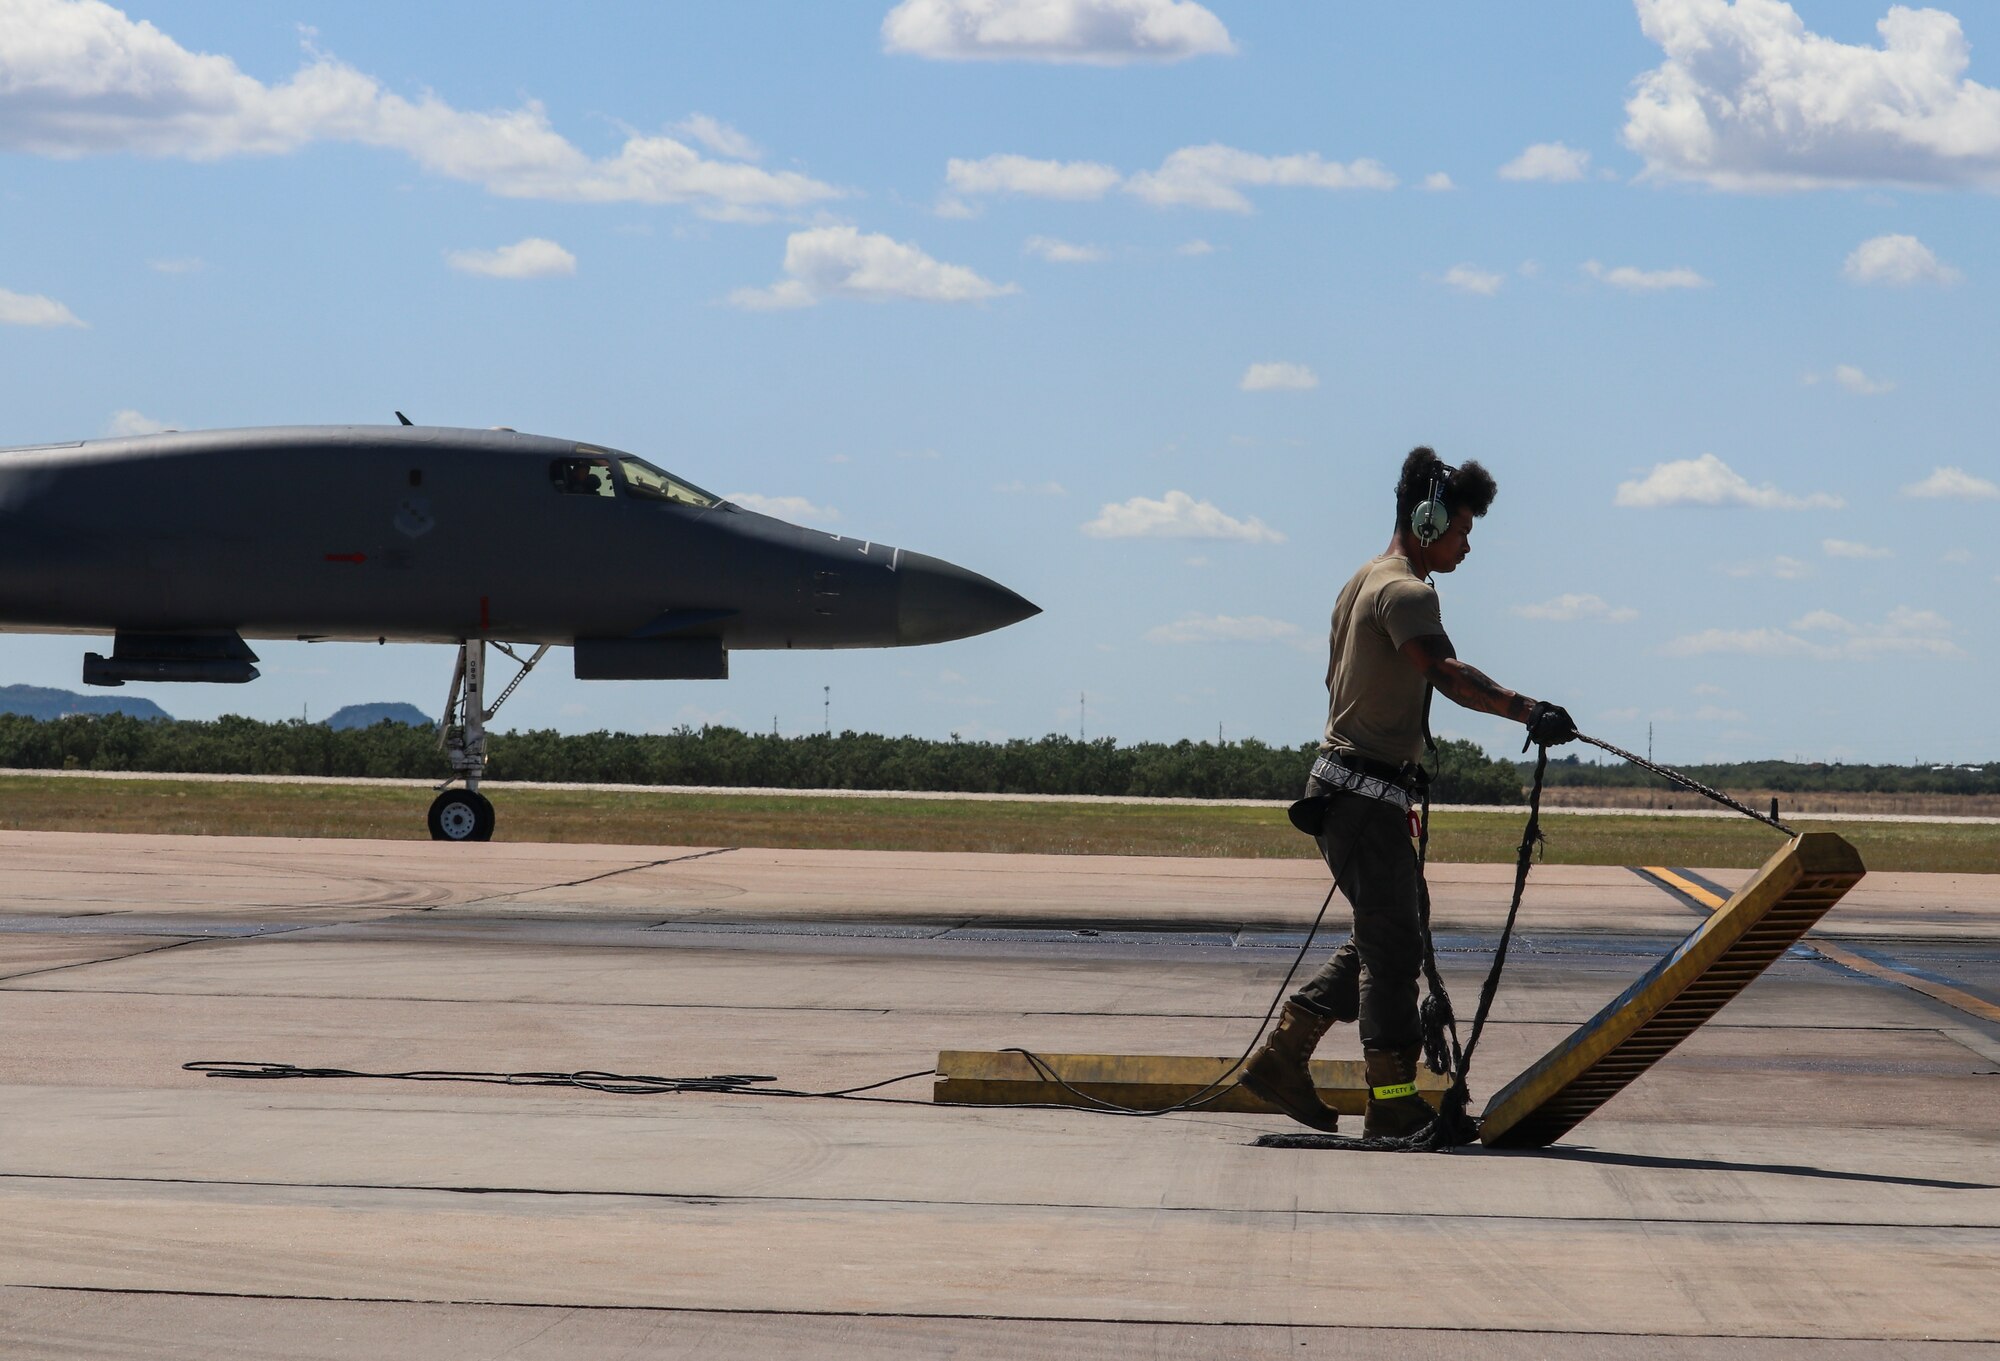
1463,684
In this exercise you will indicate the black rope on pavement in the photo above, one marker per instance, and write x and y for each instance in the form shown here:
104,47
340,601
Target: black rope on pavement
621,1084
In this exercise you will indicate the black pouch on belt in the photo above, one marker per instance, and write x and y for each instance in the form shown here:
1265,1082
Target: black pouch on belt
1309,814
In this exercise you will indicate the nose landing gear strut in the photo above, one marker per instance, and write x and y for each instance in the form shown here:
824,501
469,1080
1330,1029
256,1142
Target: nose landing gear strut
466,814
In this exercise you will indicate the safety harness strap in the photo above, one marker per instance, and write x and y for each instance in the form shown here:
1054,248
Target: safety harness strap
1394,1090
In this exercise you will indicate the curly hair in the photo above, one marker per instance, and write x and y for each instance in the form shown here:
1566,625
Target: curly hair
1471,487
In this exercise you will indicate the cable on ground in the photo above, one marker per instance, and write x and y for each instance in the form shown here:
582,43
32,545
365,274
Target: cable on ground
621,1084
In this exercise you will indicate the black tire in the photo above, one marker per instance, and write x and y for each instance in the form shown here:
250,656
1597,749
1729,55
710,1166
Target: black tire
461,815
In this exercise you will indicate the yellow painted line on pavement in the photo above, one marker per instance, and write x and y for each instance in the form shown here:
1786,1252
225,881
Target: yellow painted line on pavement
1687,886
1943,992
1956,998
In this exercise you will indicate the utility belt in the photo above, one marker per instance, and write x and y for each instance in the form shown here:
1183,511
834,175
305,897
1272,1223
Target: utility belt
1372,779
1351,774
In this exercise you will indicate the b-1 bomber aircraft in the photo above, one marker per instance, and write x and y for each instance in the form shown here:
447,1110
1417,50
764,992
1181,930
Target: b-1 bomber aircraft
183,546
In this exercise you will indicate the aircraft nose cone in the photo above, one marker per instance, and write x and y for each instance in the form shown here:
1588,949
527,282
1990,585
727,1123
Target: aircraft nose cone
938,601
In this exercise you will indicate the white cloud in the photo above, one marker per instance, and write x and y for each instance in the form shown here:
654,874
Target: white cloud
1781,567
843,262
1550,162
186,264
1278,376
785,507
718,137
1224,628
1743,642
1898,260
1214,176
1074,180
1749,99
1438,182
533,257
79,79
1823,621
1859,383
129,422
1175,516
1194,247
33,309
1471,279
1565,609
1847,548
1019,488
1061,252
1087,32
1901,645
1644,280
1906,632
1953,483
1708,481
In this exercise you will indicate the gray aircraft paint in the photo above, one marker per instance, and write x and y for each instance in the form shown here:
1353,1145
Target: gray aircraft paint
424,534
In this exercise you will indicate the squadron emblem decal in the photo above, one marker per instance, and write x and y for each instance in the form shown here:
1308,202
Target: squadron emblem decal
414,518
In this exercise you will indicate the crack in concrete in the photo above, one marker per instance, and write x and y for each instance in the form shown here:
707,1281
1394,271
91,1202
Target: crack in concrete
983,1315
722,1198
87,963
595,878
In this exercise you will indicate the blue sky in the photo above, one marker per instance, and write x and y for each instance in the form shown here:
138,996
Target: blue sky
1133,305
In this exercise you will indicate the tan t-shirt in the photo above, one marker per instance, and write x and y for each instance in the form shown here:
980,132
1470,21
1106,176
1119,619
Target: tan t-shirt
1375,698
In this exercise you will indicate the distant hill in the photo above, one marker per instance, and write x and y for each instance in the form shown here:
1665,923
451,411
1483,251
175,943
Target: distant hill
37,701
368,715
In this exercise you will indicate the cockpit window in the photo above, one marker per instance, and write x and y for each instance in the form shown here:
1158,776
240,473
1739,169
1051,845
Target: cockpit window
583,476
643,480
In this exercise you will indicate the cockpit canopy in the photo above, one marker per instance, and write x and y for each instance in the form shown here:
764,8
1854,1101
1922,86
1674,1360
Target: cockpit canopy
600,472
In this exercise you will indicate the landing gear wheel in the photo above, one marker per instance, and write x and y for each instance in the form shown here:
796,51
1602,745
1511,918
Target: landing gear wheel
461,815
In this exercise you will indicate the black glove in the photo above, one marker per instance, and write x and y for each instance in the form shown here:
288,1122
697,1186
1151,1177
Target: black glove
1549,725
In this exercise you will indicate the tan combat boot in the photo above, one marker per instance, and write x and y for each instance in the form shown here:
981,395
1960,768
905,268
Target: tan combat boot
1395,1111
1278,1073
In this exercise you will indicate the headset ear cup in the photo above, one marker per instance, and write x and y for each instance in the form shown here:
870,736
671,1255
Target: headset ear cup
1431,519
1429,522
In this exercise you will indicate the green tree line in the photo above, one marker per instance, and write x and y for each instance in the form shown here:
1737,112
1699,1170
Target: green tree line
722,756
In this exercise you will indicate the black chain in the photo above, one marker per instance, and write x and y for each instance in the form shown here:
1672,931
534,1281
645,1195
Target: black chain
1687,782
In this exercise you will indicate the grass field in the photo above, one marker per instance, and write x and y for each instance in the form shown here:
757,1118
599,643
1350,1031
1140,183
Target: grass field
227,809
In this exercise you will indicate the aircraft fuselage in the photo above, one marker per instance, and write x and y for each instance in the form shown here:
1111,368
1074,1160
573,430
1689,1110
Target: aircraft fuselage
425,534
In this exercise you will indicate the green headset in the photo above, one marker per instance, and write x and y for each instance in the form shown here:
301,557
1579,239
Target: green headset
1432,517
